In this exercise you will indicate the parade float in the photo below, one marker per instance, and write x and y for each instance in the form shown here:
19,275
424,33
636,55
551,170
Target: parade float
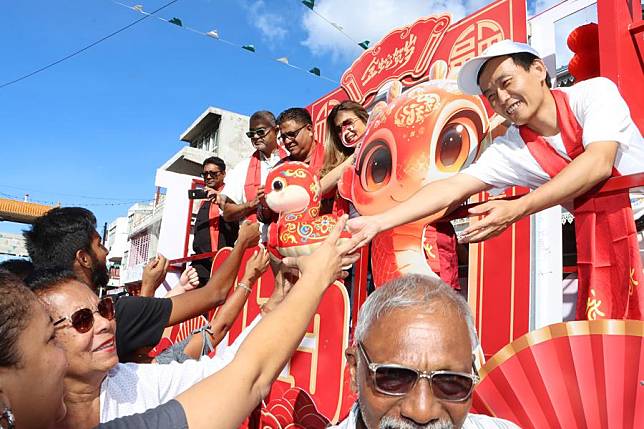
512,282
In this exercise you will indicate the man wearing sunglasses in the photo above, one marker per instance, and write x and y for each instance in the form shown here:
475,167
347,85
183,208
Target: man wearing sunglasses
411,364
244,188
66,238
212,232
296,134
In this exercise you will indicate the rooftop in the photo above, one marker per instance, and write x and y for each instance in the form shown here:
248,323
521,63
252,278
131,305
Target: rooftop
21,211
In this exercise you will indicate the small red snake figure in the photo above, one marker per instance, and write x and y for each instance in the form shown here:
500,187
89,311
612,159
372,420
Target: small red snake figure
293,191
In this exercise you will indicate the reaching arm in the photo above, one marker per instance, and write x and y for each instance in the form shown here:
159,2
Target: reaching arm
232,393
331,179
195,302
435,198
225,317
153,275
235,212
583,173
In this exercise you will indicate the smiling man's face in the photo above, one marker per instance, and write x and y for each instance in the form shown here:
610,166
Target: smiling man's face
515,93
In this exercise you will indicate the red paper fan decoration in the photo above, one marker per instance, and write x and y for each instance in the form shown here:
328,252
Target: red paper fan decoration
583,374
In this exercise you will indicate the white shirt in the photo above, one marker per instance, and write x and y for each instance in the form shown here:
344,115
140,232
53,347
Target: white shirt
472,421
601,112
236,180
133,388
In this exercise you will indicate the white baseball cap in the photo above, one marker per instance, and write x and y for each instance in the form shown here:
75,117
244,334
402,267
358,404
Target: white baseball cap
468,74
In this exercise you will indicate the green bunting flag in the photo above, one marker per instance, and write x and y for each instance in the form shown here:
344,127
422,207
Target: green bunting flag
364,45
214,34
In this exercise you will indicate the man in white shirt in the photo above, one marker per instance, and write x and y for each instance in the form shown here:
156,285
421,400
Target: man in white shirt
562,144
244,187
411,363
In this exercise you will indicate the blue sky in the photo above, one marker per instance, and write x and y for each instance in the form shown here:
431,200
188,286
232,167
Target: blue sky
92,130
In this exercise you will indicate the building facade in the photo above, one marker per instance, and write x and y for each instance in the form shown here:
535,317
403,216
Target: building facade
152,230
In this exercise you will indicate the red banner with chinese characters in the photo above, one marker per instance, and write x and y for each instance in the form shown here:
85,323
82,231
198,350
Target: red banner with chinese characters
407,51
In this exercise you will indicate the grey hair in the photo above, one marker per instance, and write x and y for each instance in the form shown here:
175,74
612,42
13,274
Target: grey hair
411,290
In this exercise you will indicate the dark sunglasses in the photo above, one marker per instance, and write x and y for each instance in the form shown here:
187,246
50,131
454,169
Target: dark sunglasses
398,380
348,123
259,132
291,135
82,320
214,174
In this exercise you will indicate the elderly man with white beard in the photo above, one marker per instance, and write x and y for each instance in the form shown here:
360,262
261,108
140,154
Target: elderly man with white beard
411,362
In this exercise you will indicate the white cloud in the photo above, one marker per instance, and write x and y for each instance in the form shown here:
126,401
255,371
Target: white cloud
271,25
370,20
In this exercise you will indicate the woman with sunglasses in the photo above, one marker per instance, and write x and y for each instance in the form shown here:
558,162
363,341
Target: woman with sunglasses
32,367
345,125
97,387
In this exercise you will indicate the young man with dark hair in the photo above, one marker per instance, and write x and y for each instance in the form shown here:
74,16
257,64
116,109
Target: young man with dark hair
66,237
562,144
244,188
212,232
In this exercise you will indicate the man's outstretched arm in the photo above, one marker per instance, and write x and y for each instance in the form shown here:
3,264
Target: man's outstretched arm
583,173
195,302
434,199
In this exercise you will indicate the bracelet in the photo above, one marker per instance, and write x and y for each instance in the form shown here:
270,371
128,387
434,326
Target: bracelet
244,286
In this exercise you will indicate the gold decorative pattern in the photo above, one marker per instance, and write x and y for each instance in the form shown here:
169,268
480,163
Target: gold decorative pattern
567,329
415,113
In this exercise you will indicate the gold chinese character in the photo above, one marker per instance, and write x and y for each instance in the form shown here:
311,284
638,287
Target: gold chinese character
592,307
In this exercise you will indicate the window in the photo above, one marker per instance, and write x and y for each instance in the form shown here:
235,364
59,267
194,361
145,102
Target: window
564,27
139,247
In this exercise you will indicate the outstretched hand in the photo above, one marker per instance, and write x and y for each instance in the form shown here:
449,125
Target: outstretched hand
256,265
248,234
189,279
153,275
328,259
363,229
498,215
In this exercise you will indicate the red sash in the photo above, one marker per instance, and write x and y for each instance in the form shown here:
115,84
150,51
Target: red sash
254,177
316,157
213,222
608,261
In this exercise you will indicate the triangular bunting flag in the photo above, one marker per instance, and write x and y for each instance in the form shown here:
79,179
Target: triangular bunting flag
338,26
176,21
282,60
250,48
364,45
138,7
315,71
309,3
213,33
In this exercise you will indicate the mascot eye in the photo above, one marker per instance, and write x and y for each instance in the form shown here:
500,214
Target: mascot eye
376,167
454,142
278,184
